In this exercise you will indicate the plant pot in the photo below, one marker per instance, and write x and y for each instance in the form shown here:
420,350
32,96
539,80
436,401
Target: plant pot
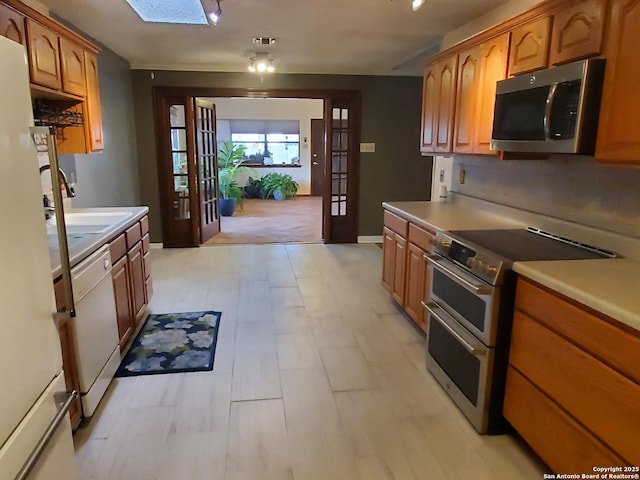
278,195
227,206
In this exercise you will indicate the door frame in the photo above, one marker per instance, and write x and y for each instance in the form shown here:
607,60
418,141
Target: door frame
348,233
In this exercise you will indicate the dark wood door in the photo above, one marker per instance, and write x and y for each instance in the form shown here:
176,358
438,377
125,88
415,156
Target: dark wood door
317,157
207,168
340,200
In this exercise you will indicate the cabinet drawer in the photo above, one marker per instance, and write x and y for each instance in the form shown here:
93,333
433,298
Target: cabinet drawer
133,235
395,223
118,248
560,441
144,224
596,335
603,400
420,237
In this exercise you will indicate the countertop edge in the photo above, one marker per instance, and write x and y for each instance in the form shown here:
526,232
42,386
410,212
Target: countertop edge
412,218
76,255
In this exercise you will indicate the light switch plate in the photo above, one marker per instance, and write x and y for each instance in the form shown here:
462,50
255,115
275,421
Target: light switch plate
367,147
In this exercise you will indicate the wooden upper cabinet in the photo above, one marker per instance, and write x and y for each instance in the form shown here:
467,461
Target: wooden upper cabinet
446,90
618,132
466,94
577,31
72,68
530,46
494,55
429,109
44,55
12,25
93,110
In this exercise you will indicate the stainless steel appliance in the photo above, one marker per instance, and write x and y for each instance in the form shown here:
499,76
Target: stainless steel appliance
549,111
471,307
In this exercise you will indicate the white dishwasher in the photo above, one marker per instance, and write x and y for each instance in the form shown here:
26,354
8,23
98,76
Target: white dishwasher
95,327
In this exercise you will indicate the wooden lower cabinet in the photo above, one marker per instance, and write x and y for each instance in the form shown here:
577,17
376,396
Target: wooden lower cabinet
69,358
135,259
122,292
404,269
568,394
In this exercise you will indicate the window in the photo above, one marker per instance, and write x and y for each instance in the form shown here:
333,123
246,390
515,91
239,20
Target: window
276,139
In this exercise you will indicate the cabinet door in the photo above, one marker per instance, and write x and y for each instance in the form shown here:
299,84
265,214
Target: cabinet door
577,31
44,55
12,25
388,257
148,286
93,111
72,68
399,269
136,269
415,283
429,109
466,93
123,296
446,82
494,55
530,46
618,133
426,293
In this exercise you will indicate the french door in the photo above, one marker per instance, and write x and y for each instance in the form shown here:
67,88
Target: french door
340,199
187,170
207,161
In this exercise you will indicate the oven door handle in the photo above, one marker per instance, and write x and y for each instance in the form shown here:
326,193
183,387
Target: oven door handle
476,350
477,289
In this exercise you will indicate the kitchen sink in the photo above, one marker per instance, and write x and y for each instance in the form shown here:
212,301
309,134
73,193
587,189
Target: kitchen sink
88,222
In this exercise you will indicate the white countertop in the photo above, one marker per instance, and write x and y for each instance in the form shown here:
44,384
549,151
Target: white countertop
442,216
610,286
83,245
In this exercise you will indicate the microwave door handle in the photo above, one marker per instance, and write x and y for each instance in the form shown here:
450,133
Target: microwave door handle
547,110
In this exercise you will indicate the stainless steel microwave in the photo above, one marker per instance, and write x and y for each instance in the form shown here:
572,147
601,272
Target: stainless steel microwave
550,111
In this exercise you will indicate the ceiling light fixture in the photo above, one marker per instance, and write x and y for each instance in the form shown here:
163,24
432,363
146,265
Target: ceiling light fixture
417,4
261,63
216,14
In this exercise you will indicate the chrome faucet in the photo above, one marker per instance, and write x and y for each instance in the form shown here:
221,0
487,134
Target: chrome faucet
62,178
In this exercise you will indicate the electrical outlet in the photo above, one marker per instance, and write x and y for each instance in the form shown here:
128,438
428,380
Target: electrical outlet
442,175
462,173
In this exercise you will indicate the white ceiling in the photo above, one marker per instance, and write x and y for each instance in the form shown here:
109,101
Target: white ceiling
369,37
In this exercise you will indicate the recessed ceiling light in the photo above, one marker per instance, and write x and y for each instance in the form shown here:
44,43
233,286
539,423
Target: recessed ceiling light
170,11
417,4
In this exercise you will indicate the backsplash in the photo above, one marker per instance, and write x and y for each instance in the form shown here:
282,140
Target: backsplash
574,188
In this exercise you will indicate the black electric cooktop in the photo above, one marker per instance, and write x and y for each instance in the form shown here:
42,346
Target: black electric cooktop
529,245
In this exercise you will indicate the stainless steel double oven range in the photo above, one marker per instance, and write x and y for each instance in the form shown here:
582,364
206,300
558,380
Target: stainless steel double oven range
470,311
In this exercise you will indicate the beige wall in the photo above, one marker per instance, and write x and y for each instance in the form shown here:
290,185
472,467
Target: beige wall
488,20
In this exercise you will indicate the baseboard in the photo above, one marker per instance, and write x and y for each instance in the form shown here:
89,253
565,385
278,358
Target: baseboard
370,239
156,245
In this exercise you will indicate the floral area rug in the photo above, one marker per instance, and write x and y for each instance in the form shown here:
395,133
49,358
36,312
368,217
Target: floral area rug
173,343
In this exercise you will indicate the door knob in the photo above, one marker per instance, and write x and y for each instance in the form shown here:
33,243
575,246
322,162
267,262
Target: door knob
315,155
315,163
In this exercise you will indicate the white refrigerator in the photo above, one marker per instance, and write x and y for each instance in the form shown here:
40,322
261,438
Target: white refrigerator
32,388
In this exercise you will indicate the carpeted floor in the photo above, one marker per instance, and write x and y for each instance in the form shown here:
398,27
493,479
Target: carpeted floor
295,220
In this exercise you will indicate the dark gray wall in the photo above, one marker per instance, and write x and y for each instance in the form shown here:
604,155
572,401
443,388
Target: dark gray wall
110,178
391,108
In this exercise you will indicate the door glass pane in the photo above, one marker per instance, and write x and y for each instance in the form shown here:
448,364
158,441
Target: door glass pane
178,139
181,196
179,163
176,114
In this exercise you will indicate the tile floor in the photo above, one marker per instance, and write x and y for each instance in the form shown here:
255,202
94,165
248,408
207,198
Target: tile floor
316,376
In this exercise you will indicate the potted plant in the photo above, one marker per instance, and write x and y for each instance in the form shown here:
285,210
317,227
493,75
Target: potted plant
279,185
254,188
230,160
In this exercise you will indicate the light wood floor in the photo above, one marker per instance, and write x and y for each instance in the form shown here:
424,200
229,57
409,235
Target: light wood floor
316,377
295,220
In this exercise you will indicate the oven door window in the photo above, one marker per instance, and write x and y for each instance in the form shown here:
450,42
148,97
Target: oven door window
460,366
457,299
